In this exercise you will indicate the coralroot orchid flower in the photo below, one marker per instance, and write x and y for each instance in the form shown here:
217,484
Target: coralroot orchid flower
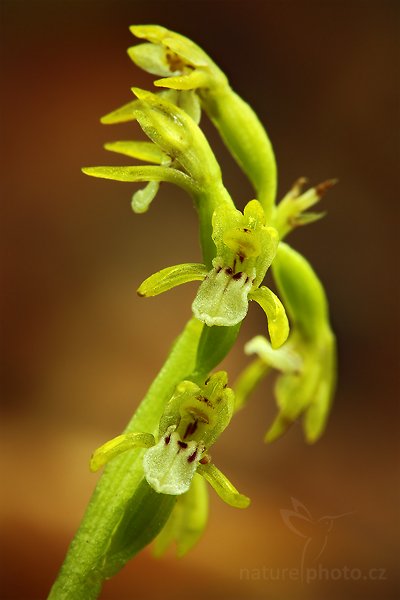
307,361
192,421
245,248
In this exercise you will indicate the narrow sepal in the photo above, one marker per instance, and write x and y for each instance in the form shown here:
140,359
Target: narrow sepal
278,325
146,151
142,199
119,444
279,427
123,114
224,488
180,45
171,277
284,359
193,81
248,380
143,173
151,58
314,194
309,217
290,212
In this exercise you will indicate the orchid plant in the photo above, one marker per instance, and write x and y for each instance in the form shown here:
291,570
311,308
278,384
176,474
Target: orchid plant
153,484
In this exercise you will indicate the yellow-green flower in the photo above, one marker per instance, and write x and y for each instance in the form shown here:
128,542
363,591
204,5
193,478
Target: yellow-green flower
173,56
197,82
292,211
193,419
307,361
245,248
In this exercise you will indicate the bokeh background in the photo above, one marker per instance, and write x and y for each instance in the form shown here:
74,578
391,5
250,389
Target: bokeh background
80,348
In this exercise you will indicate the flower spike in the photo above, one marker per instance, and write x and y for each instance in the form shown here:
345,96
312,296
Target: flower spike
160,490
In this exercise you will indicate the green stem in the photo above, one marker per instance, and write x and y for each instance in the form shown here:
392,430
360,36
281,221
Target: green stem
206,202
85,567
246,139
124,513
214,345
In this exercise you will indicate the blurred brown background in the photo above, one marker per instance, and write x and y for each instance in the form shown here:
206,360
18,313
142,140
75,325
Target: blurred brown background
80,348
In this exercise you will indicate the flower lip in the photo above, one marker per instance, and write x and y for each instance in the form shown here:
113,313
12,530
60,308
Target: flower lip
169,466
222,298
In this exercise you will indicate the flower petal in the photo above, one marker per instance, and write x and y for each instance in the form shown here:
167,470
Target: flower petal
280,425
278,325
224,488
171,277
151,58
142,199
143,173
123,114
179,44
146,151
284,359
119,444
192,81
248,380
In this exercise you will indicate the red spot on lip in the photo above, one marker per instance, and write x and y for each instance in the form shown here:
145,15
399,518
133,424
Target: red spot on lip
192,457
